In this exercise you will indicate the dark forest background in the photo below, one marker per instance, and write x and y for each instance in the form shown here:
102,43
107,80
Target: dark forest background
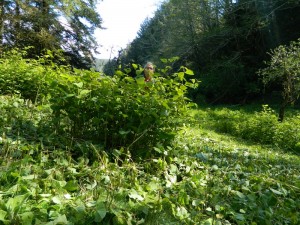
224,42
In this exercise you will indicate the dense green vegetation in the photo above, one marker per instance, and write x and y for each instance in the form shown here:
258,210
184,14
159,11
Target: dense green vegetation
284,67
80,148
61,25
223,41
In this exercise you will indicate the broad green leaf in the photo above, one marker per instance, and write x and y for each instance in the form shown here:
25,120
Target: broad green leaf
173,59
83,93
106,179
56,200
188,71
71,185
100,212
276,192
67,196
171,178
242,211
239,216
158,150
15,174
29,177
135,66
209,209
70,95
240,194
135,195
26,218
209,221
72,170
140,80
173,169
92,185
16,201
197,202
2,215
16,104
62,183
164,60
45,195
80,84
181,212
80,206
153,186
165,104
122,132
119,73
181,76
139,72
202,156
183,198
61,220
214,168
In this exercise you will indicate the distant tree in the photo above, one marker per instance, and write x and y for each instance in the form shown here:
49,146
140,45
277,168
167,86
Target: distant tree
284,67
51,24
1,22
223,41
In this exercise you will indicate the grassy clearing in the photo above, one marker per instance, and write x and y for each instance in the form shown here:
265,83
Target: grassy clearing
203,177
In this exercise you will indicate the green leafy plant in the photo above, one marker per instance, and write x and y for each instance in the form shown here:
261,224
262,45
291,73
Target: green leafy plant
27,77
121,111
284,68
55,167
201,178
261,126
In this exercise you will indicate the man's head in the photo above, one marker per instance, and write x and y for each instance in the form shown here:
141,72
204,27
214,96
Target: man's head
148,70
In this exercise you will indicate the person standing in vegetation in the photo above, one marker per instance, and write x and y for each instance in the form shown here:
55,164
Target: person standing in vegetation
148,72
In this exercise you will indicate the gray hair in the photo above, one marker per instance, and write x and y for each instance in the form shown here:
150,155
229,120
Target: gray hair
148,64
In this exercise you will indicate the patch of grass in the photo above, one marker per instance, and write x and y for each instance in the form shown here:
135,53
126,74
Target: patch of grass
254,125
202,177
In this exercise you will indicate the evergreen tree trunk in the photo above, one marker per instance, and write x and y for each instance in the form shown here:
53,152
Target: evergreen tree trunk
272,31
275,31
282,111
17,17
1,22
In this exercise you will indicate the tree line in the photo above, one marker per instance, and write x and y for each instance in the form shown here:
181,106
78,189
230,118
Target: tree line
65,26
225,42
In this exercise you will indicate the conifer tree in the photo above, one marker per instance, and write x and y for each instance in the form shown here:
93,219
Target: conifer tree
51,24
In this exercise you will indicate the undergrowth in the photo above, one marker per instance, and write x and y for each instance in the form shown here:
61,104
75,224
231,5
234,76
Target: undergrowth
69,151
202,177
260,126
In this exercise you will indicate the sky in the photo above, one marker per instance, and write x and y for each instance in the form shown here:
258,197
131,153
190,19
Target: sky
122,20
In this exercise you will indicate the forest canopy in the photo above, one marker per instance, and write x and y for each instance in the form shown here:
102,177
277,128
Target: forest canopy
225,42
56,25
83,147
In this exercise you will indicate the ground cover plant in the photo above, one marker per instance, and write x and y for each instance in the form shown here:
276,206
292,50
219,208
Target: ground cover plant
203,177
114,112
261,127
215,166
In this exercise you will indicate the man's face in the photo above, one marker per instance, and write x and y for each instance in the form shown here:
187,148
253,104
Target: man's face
149,70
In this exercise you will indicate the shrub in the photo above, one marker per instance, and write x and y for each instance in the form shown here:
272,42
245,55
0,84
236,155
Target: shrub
284,68
120,111
27,77
261,127
287,134
116,112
